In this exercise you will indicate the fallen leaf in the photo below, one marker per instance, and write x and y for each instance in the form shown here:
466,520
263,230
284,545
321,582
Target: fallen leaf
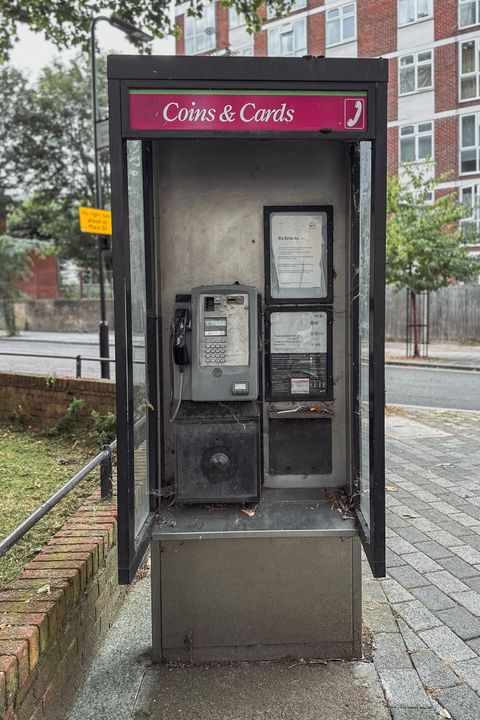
2,625
248,511
444,713
391,488
44,589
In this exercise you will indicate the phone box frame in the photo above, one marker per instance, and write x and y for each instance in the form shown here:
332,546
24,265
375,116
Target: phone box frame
287,581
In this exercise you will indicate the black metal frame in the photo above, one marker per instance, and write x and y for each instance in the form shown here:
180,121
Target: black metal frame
127,72
328,395
267,212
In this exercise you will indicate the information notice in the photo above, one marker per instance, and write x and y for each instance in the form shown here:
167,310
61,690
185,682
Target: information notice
298,359
298,251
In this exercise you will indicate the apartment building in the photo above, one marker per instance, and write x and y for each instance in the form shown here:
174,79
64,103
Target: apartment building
434,51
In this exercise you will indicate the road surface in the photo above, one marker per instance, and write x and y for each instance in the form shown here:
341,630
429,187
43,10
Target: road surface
429,387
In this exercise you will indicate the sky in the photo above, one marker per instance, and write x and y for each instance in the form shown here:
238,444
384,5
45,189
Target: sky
32,52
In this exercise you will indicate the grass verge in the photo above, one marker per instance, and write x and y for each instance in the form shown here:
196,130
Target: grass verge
32,467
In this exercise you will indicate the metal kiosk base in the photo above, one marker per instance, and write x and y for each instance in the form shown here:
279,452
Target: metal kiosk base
284,583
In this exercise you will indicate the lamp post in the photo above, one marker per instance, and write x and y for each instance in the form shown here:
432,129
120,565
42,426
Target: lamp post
136,34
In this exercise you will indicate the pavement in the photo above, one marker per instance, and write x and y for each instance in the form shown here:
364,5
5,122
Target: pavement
444,354
424,616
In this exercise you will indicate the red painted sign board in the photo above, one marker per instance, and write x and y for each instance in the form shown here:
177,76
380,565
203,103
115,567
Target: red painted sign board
249,111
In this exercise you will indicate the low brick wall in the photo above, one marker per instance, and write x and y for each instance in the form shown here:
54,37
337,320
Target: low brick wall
54,616
31,398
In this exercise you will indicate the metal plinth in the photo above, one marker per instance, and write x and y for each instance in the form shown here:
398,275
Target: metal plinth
260,597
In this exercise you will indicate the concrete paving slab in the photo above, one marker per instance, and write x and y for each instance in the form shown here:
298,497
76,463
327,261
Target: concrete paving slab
261,691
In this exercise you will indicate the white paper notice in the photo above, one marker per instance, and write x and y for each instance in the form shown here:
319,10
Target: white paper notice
298,250
298,332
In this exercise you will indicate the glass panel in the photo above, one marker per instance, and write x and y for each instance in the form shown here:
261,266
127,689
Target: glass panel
287,43
467,14
274,41
333,32
425,56
407,149
424,76
138,300
468,131
468,88
349,28
407,80
468,57
424,8
364,328
299,30
406,11
425,127
424,147
468,161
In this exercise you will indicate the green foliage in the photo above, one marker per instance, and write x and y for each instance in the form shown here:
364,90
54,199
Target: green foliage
49,155
69,421
103,428
67,24
50,380
425,247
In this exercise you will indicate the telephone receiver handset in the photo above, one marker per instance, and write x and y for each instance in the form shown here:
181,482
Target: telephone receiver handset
181,320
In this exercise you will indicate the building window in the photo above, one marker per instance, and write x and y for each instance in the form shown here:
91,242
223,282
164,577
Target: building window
468,13
469,144
297,5
416,72
416,142
412,11
470,197
469,69
341,24
288,39
240,40
200,32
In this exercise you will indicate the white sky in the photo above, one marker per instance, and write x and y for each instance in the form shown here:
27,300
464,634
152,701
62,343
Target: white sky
32,52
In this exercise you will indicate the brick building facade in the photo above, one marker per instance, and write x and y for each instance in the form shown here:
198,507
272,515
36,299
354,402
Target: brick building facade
434,51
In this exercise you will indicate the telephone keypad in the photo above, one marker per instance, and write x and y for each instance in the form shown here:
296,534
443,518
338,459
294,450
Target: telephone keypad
215,351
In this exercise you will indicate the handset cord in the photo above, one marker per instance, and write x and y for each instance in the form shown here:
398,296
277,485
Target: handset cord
180,390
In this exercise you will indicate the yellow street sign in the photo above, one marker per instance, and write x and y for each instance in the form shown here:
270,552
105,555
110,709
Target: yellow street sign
94,221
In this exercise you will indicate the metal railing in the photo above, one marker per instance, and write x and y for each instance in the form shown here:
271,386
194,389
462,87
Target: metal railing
78,359
104,459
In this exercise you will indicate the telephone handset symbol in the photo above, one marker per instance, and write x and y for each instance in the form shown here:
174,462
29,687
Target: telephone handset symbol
351,122
181,320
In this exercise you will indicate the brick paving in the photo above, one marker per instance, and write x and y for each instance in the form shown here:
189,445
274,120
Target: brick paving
427,627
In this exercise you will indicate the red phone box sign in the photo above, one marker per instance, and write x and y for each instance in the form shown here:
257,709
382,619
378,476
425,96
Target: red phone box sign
227,110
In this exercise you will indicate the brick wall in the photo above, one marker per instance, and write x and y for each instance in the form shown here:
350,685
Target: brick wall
54,616
446,158
446,88
31,398
377,28
446,19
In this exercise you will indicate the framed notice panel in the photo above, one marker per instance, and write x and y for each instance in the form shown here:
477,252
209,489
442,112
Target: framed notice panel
299,353
298,253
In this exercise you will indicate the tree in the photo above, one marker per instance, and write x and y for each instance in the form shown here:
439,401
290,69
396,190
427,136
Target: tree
67,22
425,246
49,157
15,261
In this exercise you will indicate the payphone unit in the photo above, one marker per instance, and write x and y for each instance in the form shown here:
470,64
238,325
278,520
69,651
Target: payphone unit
221,357
214,341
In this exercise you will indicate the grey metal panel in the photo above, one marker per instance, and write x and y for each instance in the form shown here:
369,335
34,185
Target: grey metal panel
274,592
273,518
205,241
